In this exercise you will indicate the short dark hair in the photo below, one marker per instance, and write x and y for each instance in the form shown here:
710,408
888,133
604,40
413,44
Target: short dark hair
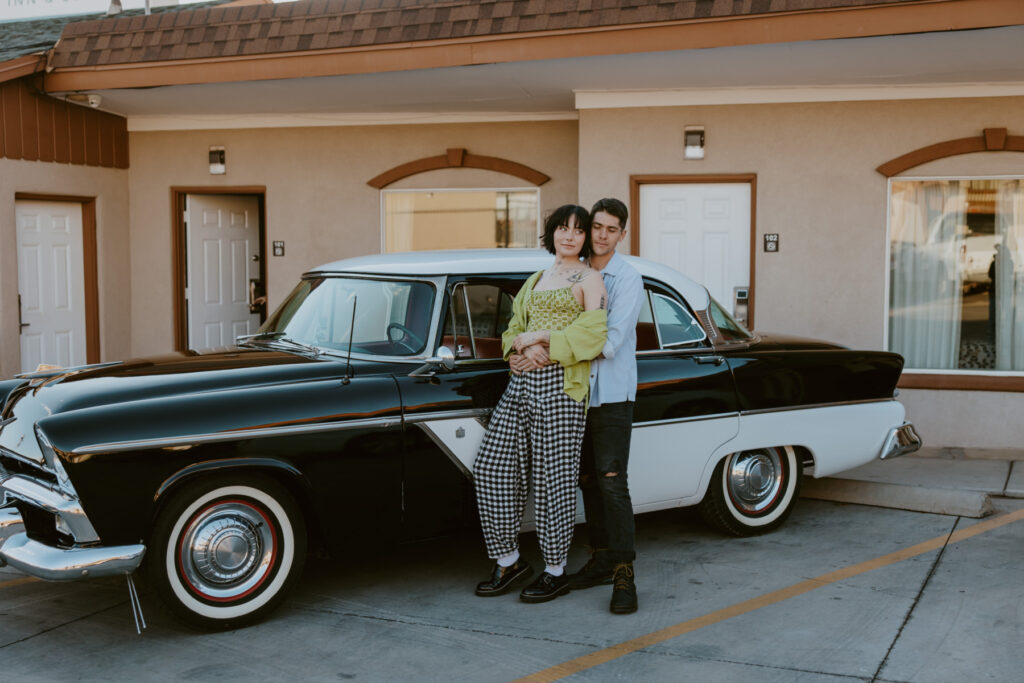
614,207
560,216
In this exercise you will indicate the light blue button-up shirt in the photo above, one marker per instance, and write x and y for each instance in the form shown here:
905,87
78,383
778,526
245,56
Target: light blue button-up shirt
613,377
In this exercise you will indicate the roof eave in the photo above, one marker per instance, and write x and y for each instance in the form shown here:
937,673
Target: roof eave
22,66
820,24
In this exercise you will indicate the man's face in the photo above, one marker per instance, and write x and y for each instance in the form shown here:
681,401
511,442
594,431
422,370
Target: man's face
605,233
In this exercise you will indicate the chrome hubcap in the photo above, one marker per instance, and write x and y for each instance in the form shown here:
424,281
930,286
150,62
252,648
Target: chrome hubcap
227,550
754,480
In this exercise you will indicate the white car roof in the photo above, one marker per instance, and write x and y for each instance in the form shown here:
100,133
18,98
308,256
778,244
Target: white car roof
494,261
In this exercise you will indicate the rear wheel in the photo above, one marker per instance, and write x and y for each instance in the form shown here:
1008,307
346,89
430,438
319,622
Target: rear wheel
752,492
224,552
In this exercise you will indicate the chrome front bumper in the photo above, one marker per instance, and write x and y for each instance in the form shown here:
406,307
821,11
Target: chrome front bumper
900,441
61,564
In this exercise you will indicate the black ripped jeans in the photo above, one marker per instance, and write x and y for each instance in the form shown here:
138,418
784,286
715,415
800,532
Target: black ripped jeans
606,499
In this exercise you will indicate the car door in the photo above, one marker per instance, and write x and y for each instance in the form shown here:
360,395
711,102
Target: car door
446,412
685,404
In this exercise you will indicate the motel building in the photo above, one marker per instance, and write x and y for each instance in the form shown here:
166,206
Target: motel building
849,170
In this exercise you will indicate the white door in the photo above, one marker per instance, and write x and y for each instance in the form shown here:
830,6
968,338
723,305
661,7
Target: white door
703,231
223,244
51,283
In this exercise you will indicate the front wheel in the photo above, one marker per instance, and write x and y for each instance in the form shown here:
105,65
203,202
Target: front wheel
752,492
224,552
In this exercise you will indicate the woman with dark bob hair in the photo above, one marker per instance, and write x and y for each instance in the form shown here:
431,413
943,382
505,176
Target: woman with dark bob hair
559,323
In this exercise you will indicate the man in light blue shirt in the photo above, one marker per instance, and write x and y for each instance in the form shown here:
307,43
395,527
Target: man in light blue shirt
605,458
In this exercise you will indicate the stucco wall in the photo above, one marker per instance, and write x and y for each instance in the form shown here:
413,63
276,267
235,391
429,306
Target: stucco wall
818,189
317,199
110,188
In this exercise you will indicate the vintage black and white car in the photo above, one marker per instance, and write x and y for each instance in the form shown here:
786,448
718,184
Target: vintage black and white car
353,418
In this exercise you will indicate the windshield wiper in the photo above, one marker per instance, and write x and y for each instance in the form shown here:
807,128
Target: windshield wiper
276,338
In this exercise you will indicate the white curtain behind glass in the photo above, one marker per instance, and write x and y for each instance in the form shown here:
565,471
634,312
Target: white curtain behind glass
927,228
1009,276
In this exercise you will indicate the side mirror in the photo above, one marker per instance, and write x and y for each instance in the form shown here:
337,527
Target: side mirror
445,359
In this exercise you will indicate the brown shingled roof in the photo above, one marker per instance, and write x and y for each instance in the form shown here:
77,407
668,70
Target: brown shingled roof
330,24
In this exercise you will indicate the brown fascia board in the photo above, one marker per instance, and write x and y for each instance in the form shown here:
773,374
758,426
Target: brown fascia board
822,24
22,66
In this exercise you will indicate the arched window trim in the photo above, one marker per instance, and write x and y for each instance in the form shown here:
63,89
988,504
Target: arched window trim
458,158
991,140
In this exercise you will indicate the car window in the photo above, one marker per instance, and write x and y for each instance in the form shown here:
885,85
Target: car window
392,317
675,325
474,331
729,328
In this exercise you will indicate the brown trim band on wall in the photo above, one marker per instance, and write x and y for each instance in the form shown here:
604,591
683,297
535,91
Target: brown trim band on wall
90,267
458,158
178,249
961,382
635,181
991,140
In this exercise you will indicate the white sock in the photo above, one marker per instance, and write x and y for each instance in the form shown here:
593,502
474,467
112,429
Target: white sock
555,569
509,560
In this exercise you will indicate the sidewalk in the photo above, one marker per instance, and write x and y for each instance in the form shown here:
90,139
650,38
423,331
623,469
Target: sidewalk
949,481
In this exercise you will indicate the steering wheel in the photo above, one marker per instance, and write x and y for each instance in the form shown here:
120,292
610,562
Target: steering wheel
409,339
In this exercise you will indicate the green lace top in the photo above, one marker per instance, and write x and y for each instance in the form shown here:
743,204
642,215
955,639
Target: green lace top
552,309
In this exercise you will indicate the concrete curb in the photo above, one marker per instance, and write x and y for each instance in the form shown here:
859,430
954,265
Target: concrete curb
899,496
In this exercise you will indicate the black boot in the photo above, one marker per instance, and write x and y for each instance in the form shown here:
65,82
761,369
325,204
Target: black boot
596,572
624,592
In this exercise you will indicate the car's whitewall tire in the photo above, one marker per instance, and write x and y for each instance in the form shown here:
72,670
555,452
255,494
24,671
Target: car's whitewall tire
753,491
225,552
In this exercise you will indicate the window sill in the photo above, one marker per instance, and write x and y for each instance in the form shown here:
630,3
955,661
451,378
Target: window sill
960,382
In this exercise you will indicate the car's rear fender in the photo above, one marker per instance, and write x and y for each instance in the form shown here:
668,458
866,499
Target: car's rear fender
836,437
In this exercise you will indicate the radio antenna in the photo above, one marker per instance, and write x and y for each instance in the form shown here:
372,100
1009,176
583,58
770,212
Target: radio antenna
351,333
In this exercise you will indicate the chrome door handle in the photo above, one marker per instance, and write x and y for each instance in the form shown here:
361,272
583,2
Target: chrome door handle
709,360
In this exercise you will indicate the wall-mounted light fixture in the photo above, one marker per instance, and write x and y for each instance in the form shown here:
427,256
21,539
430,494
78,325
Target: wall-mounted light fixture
218,160
693,142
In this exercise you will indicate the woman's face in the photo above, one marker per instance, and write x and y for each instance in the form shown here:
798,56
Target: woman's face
569,238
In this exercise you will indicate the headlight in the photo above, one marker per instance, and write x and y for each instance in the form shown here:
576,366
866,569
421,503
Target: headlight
54,463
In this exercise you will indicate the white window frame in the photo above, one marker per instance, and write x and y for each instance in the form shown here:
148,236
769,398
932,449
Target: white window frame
888,269
384,193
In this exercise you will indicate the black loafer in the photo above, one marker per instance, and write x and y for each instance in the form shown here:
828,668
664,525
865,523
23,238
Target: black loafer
502,579
546,587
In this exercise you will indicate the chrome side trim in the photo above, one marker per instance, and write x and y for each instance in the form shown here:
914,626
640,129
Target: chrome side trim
444,449
810,406
900,441
447,415
42,495
231,435
57,564
679,420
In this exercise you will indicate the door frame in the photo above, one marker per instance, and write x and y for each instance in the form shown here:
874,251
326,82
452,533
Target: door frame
90,269
635,181
179,259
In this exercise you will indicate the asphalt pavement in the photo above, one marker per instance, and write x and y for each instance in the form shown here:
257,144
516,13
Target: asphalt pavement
842,592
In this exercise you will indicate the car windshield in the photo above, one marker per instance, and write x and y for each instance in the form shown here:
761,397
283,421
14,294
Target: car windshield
727,325
392,317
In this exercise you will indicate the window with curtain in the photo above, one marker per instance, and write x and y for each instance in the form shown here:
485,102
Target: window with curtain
460,219
956,292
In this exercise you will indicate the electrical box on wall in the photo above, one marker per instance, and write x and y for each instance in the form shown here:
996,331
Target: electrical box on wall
693,142
218,163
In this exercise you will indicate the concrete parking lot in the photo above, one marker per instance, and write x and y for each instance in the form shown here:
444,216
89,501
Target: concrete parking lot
841,592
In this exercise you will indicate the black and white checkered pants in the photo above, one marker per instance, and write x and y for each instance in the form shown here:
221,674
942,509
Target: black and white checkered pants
535,427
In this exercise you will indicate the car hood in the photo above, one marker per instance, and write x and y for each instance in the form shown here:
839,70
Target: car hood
772,341
162,376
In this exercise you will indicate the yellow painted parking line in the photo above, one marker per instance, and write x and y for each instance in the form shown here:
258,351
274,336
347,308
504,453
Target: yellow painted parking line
608,654
17,582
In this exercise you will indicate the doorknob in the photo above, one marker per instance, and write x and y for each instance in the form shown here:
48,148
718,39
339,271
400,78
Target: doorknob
21,325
